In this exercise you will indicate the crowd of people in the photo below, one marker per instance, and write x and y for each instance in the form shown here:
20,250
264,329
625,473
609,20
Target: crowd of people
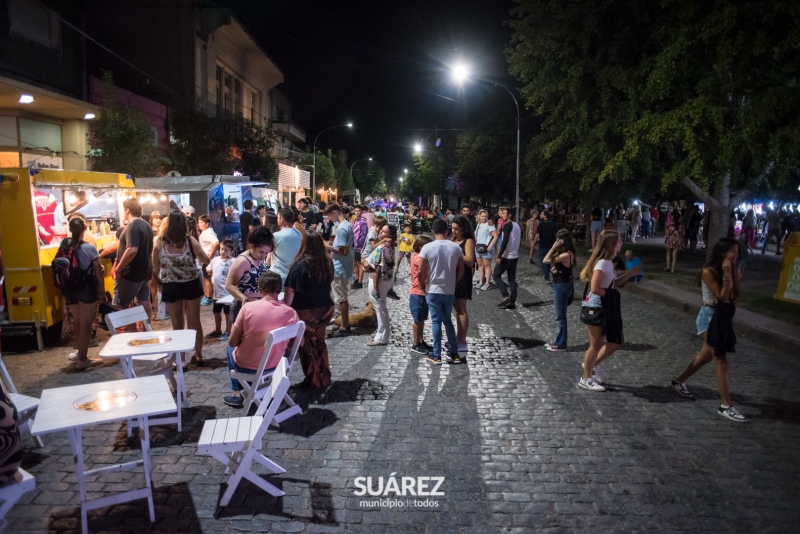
304,262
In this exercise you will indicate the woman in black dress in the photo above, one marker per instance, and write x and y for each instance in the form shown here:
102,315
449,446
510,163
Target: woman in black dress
463,236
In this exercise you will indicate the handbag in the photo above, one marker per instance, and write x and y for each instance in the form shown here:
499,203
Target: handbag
591,315
481,249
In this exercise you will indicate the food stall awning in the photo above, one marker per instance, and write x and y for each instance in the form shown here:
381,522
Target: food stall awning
79,179
189,184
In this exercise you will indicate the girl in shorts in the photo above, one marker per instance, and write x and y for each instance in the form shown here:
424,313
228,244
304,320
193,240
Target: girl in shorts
720,288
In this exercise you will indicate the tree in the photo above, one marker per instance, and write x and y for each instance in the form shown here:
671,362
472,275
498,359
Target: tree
253,148
699,93
430,173
486,158
121,138
371,179
344,180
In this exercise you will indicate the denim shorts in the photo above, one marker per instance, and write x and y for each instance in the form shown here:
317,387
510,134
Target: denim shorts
704,319
419,308
485,255
596,226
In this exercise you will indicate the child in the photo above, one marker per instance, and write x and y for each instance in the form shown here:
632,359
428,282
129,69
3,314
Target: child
218,269
406,244
381,260
372,238
417,301
632,261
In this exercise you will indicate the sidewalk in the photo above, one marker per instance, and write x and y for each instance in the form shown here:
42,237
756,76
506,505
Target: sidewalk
760,278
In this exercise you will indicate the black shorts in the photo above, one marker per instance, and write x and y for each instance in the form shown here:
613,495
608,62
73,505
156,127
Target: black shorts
357,256
221,308
175,291
86,294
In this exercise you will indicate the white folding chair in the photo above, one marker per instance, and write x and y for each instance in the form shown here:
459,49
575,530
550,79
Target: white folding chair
148,364
26,406
11,491
255,385
236,442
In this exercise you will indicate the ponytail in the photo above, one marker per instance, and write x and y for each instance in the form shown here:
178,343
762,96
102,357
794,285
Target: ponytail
77,227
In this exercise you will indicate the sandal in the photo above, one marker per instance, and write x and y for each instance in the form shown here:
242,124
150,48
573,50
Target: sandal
376,344
198,363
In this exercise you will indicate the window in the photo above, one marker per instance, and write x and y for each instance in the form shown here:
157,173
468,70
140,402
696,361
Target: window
219,92
253,107
35,23
226,95
237,97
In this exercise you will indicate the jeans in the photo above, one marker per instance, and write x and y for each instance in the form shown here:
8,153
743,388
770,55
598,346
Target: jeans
561,293
235,385
381,310
645,228
441,308
545,266
507,266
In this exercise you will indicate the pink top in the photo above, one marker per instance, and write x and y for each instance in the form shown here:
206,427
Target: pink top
415,288
256,320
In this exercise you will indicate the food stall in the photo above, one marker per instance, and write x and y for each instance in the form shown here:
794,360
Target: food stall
209,195
35,207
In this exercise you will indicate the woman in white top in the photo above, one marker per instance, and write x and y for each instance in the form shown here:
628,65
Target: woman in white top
210,244
485,236
600,275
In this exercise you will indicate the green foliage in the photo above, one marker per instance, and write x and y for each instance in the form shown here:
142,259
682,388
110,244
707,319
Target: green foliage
487,158
369,178
206,145
121,139
430,173
344,181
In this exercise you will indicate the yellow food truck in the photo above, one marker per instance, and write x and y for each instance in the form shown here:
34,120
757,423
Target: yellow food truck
35,208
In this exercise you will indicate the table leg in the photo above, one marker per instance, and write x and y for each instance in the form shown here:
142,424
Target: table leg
144,436
180,393
76,444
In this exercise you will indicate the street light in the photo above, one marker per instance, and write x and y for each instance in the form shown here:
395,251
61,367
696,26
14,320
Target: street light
354,164
417,147
460,73
314,173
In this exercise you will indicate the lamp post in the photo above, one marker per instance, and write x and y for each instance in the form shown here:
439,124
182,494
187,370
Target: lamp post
460,73
357,161
314,170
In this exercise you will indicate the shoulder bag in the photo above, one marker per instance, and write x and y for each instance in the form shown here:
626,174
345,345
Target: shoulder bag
591,315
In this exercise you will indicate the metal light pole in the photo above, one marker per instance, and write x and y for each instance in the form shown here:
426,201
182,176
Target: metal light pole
314,170
357,161
518,119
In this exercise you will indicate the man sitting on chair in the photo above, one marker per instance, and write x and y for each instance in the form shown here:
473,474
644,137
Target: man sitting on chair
254,323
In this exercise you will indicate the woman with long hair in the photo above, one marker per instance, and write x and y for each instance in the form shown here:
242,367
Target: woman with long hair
308,291
210,242
719,282
485,237
155,220
530,233
248,266
174,265
600,275
84,300
673,241
561,257
381,281
464,237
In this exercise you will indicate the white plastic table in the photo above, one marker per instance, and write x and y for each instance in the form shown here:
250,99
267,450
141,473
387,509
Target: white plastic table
228,299
126,346
75,407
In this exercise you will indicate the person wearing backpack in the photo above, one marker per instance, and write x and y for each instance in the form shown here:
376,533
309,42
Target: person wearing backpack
79,276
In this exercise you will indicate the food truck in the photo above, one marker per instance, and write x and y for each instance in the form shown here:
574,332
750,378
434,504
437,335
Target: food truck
35,208
210,194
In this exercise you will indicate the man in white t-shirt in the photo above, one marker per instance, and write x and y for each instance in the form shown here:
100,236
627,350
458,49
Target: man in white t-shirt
441,259
287,244
507,258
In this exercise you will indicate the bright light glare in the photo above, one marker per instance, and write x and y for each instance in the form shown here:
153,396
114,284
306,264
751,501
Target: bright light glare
25,99
460,73
88,116
417,147
405,171
349,124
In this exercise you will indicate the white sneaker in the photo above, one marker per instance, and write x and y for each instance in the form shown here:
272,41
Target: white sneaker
73,356
590,385
681,388
485,287
731,413
596,376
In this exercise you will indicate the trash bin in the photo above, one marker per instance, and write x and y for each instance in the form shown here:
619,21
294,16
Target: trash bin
789,281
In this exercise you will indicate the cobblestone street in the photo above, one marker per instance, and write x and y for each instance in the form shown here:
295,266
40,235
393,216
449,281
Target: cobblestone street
520,446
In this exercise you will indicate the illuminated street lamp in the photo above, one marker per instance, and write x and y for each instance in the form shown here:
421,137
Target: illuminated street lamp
460,73
314,170
417,148
354,164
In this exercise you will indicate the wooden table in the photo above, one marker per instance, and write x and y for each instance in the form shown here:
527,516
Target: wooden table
72,408
176,342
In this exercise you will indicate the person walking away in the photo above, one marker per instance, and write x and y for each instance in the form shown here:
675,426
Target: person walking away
308,291
288,241
210,244
719,283
636,222
507,258
405,247
596,226
253,324
646,220
134,266
546,237
417,303
485,238
85,291
360,231
463,236
381,261
181,286
787,227
441,259
693,227
218,271
342,252
604,340
673,241
530,233
655,215
247,222
750,228
561,257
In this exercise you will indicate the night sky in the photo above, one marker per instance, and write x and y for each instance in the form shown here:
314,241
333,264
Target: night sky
382,65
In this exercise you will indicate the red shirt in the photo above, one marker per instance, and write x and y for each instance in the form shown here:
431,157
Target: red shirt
415,287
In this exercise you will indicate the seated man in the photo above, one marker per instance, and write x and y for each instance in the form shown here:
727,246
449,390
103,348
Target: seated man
253,324
632,261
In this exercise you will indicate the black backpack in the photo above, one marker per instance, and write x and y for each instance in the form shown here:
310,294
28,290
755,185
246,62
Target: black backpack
67,272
